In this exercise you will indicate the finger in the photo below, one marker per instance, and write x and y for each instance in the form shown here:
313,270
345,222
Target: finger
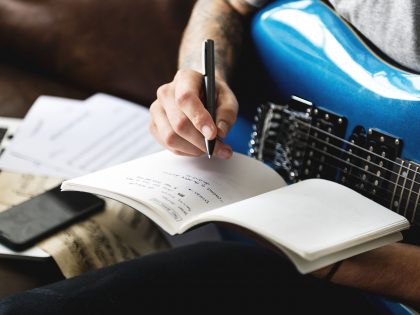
166,136
153,127
184,128
177,119
189,84
227,109
222,151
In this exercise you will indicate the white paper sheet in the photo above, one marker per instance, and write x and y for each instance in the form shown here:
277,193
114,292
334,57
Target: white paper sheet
65,138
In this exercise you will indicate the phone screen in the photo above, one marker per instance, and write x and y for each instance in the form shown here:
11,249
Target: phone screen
22,225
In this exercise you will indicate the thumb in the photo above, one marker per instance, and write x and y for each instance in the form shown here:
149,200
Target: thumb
227,110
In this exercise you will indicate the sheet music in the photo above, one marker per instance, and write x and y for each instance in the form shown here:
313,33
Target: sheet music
116,234
16,188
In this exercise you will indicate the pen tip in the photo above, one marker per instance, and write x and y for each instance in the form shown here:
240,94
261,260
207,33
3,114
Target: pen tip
209,156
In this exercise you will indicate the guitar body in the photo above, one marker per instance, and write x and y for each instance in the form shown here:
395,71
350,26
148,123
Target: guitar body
361,123
362,120
309,51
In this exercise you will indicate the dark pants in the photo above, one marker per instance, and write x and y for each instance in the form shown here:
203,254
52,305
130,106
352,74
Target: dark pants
204,278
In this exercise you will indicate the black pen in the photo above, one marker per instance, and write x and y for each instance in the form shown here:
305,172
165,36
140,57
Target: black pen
210,88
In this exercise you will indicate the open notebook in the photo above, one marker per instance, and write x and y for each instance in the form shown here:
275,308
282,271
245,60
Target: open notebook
314,222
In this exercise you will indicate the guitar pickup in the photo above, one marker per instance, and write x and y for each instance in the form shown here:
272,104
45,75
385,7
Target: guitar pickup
325,144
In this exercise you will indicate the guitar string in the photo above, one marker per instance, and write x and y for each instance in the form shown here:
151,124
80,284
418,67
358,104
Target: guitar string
410,180
379,186
373,174
365,171
297,119
406,176
401,166
401,211
379,198
403,188
350,143
365,189
358,147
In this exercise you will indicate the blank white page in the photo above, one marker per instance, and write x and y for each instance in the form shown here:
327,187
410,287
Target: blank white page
313,218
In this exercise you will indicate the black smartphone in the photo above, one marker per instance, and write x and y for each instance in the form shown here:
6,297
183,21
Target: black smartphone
25,224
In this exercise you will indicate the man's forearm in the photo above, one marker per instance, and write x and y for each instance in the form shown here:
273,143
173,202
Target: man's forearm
220,20
392,271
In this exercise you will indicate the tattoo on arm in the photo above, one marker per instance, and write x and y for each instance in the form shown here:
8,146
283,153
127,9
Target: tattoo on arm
222,21
230,28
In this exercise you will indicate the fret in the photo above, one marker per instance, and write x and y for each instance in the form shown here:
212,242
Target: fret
416,205
416,202
392,205
406,193
412,177
406,175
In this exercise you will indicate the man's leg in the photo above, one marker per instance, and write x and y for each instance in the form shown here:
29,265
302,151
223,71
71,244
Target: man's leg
209,277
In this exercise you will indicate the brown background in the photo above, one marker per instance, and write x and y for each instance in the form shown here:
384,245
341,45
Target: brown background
74,48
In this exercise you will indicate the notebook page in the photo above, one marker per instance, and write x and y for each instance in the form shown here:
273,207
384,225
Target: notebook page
306,266
312,218
181,187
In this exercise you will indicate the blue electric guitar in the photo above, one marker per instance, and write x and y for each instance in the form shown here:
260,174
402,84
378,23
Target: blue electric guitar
352,118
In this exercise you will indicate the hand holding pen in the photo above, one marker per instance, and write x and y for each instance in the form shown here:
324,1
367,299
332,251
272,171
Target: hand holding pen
179,117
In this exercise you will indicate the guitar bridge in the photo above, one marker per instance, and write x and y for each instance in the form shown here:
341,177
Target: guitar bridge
297,139
278,136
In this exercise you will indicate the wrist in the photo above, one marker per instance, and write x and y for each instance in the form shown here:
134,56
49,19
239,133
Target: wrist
329,272
333,270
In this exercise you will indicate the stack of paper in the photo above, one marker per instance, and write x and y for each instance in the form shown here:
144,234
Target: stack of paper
65,138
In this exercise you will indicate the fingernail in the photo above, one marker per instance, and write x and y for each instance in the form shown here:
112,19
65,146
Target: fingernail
223,127
206,131
224,154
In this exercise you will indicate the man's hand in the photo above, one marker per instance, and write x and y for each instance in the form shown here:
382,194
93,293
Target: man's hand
180,122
